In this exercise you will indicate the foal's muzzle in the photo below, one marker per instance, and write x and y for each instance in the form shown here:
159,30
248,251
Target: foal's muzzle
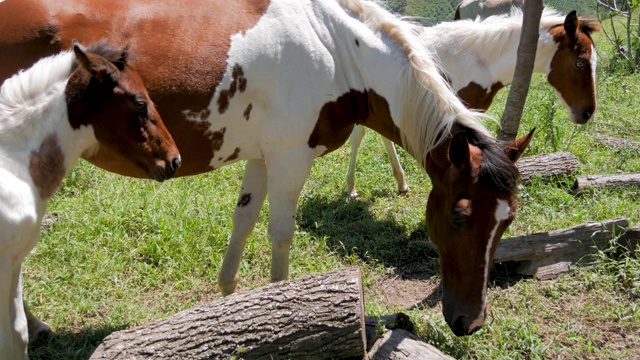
166,172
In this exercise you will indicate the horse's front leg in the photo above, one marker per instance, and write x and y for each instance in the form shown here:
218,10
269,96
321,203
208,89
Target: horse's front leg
37,328
355,140
287,173
396,168
14,334
245,215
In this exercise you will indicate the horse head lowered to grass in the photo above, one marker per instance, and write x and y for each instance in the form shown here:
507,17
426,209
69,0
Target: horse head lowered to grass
63,107
478,58
278,83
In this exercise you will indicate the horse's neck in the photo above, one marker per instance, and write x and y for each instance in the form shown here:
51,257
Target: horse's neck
34,122
481,59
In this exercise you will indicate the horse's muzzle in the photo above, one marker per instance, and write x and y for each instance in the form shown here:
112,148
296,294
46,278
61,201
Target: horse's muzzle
162,173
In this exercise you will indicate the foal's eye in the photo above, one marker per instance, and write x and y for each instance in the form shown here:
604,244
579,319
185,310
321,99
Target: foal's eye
141,106
580,64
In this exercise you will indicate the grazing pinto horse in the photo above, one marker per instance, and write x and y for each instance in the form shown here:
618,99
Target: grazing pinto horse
65,106
471,9
281,82
479,58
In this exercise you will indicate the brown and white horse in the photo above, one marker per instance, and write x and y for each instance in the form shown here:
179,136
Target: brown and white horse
278,83
472,9
65,106
479,57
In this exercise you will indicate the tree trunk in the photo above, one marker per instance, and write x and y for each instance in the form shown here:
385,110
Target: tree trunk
615,142
402,345
547,165
316,317
545,255
524,68
583,183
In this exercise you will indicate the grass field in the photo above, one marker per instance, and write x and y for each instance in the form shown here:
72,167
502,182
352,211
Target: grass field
125,252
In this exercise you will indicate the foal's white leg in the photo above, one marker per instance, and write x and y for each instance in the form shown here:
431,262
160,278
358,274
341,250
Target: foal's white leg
37,328
252,195
287,173
398,172
13,323
355,139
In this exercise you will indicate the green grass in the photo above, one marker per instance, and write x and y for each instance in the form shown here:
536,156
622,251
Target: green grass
125,252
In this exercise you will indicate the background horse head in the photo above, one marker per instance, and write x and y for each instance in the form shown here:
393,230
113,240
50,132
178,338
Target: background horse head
51,114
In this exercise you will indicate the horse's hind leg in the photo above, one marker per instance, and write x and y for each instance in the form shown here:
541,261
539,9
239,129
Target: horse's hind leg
287,173
398,173
355,140
245,215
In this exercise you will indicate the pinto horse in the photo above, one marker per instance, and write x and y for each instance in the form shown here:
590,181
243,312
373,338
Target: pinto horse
278,83
479,58
65,106
471,9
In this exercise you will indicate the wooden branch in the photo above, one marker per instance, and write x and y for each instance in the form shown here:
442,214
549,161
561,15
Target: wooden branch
547,165
616,142
583,183
403,345
545,255
630,240
316,317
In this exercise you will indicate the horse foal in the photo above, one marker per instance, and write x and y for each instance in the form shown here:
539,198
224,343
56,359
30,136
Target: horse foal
63,107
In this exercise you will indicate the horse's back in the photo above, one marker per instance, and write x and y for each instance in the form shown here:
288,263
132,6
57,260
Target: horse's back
471,9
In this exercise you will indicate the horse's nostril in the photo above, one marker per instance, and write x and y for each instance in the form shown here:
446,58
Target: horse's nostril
458,326
175,163
587,114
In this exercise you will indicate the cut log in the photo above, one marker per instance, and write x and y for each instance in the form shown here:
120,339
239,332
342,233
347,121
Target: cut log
546,255
376,326
547,165
402,345
583,183
316,317
630,239
617,142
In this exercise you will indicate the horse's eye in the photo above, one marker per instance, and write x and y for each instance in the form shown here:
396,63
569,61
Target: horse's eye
460,214
141,106
580,64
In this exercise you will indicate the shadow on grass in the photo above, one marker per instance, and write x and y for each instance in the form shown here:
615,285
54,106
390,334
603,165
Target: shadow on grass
66,345
351,229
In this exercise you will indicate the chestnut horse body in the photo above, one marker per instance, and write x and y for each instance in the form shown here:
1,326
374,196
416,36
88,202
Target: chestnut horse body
478,58
278,83
50,114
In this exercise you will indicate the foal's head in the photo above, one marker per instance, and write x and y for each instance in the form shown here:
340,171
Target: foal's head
105,92
573,67
472,203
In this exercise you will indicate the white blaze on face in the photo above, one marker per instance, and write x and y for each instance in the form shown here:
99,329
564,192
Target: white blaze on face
594,63
502,213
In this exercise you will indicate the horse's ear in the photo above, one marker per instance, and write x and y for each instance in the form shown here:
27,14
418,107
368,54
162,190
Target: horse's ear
589,26
95,68
571,24
459,151
516,148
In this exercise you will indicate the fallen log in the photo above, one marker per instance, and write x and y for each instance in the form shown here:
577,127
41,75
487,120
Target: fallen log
630,239
583,183
615,142
546,255
316,317
402,345
547,165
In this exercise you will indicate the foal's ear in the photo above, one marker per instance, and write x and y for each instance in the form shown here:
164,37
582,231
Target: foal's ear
571,24
459,151
96,69
517,147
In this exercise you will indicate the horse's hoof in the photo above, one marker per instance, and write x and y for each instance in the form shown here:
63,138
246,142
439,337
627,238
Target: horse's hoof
42,332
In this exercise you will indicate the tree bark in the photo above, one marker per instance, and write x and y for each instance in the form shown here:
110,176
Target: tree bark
630,240
583,183
545,255
547,165
615,142
524,68
402,345
316,317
